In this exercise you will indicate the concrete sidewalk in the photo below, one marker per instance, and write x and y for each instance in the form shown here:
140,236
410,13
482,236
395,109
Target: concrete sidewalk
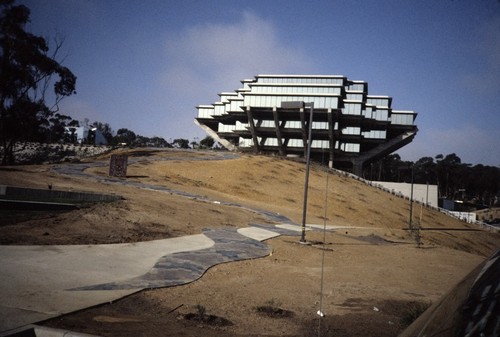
35,280
42,282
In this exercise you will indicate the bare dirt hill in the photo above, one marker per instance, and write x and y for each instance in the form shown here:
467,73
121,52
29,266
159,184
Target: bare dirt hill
374,264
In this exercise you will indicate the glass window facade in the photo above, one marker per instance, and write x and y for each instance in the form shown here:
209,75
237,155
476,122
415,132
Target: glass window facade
352,109
280,89
350,147
356,87
320,144
246,142
375,134
402,118
240,126
320,125
265,123
301,79
235,105
379,102
320,102
226,128
351,130
271,142
295,142
205,112
219,109
354,97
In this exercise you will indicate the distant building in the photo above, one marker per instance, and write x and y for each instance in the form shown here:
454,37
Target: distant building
350,127
86,135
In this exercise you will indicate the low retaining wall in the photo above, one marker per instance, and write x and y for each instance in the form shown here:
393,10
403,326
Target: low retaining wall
24,205
33,194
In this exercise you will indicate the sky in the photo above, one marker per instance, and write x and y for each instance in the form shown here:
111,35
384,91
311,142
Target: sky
146,65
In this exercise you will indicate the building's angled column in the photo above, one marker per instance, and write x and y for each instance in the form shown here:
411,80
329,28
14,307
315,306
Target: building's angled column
285,143
252,128
278,131
357,167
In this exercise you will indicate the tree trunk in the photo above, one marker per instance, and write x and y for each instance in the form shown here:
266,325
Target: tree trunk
8,153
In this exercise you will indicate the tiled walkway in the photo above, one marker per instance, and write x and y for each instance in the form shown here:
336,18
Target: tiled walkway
185,267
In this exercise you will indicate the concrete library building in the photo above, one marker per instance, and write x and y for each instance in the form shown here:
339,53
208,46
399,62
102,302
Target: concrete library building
331,116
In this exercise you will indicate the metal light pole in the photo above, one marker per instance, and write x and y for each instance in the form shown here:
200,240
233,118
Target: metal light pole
410,224
298,105
427,194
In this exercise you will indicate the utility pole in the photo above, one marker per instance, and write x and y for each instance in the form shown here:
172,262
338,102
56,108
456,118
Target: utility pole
410,224
302,105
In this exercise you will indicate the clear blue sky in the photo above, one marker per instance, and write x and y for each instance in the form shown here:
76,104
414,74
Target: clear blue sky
146,65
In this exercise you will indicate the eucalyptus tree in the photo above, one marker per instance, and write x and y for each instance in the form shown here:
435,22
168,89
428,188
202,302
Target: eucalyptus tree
27,75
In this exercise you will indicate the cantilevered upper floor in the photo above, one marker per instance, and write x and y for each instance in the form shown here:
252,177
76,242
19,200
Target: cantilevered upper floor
350,127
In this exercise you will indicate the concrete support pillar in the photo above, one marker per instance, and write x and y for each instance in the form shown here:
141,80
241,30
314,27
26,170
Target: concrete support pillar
278,131
252,129
357,167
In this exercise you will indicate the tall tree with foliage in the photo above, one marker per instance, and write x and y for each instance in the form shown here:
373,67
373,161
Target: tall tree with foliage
159,142
56,131
207,142
181,143
27,72
448,170
424,171
125,136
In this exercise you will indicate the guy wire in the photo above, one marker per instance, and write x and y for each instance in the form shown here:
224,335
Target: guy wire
323,256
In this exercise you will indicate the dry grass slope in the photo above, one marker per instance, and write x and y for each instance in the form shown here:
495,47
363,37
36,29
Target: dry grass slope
260,182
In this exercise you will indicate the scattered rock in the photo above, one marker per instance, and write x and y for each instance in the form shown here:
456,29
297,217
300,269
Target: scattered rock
211,320
274,312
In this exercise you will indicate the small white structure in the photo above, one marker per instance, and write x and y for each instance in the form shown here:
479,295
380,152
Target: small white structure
465,216
424,193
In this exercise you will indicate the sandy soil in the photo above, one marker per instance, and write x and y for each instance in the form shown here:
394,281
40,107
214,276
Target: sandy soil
375,279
